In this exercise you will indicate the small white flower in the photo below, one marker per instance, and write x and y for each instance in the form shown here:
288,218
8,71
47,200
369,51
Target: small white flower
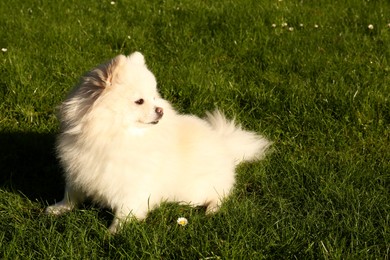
388,25
182,221
301,25
316,26
370,26
273,25
4,49
112,2
291,29
284,24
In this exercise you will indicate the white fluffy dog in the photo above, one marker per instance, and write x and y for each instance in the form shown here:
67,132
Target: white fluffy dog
124,146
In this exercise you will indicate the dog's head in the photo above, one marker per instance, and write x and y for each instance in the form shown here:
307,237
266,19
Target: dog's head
122,89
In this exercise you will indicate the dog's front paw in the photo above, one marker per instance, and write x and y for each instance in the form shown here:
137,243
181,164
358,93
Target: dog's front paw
212,207
58,209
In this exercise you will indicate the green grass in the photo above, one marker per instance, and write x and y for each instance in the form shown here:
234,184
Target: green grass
319,90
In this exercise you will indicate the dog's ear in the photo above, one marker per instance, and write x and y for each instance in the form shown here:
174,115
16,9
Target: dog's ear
103,76
137,58
111,69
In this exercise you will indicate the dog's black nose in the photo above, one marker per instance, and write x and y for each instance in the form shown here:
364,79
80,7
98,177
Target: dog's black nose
160,111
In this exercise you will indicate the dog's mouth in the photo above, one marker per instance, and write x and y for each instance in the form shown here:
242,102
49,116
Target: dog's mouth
159,116
155,122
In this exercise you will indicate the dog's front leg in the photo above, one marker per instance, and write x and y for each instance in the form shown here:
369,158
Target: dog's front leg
120,218
124,215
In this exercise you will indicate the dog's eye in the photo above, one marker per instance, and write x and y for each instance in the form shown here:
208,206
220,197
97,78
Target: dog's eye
139,101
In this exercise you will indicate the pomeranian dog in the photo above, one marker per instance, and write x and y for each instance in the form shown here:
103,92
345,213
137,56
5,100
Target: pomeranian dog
125,147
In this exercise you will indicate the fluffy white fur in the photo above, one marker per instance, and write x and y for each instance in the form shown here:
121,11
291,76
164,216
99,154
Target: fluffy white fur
125,147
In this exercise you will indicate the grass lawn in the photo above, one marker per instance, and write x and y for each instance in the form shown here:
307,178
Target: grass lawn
312,76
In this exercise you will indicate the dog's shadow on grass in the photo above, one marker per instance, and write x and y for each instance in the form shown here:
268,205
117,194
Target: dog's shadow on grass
28,165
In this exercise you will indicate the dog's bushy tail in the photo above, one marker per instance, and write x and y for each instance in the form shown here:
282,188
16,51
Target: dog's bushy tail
244,145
